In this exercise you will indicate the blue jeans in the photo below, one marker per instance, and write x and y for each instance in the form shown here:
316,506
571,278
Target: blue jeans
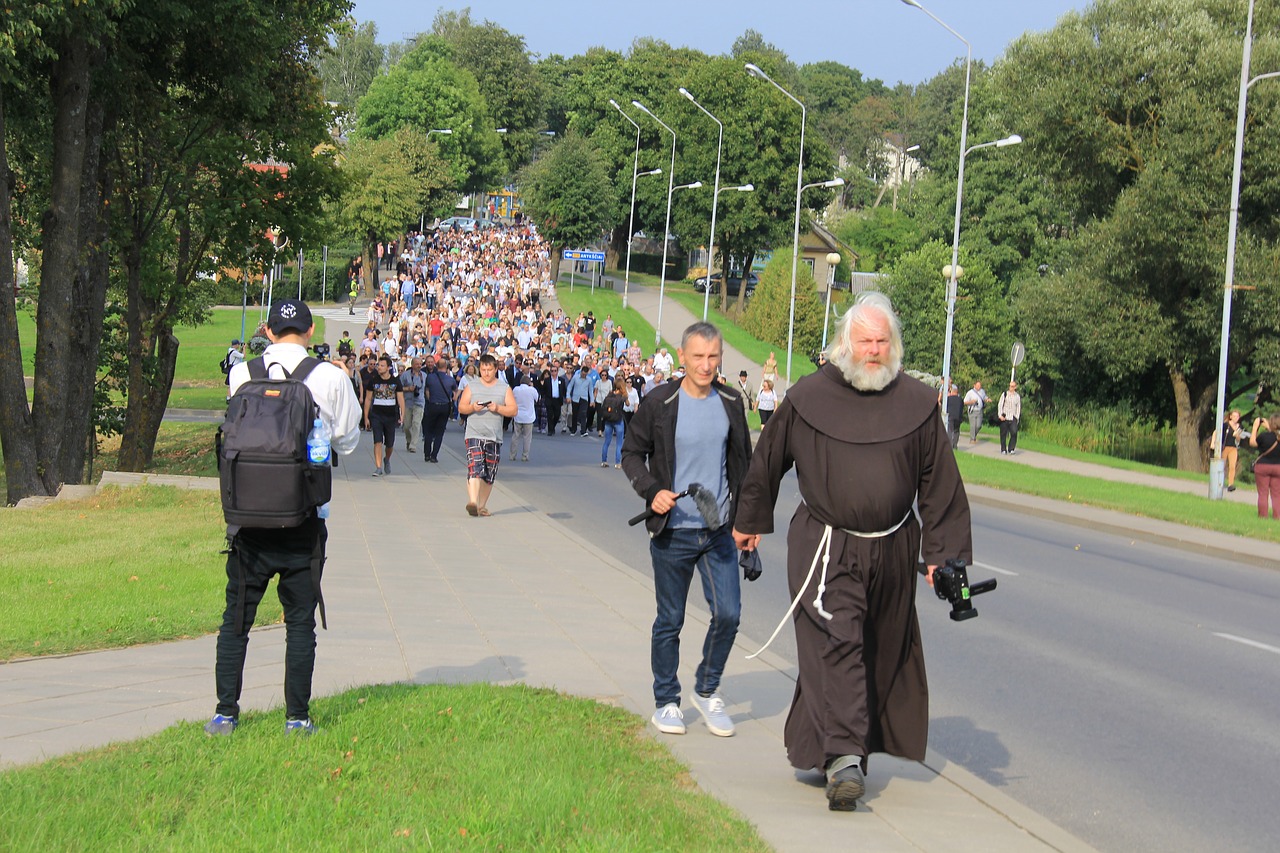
611,431
676,553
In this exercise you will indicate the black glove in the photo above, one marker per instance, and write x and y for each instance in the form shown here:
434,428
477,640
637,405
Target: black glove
750,562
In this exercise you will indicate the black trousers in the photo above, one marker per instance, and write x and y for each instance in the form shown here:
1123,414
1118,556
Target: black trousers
258,555
553,414
581,416
434,420
1008,435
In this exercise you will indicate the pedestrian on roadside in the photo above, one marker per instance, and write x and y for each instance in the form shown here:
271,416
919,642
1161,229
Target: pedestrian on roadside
485,401
296,554
974,399
1229,441
955,414
766,402
414,381
526,415
612,424
861,685
441,390
744,388
1266,468
702,423
383,412
1009,411
580,395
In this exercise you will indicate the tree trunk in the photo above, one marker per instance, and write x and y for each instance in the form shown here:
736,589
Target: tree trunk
147,403
60,230
1195,401
555,265
742,289
16,430
88,308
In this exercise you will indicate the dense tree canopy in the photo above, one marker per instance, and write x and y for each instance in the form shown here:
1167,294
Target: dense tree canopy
1136,142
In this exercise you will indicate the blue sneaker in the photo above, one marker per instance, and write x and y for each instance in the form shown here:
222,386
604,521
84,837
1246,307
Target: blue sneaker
220,725
300,727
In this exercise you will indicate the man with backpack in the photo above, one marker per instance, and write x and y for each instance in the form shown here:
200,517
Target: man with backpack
274,508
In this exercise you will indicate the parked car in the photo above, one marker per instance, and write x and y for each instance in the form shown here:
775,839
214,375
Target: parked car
735,284
459,223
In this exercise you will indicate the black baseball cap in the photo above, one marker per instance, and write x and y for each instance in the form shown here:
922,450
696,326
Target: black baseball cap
289,314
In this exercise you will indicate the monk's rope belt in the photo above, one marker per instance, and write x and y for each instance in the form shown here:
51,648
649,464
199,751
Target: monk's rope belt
823,552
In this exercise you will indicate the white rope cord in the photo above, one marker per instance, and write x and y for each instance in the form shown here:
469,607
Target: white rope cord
824,551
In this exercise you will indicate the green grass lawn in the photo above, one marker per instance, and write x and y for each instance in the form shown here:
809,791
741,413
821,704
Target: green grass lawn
198,381
394,767
1148,501
124,567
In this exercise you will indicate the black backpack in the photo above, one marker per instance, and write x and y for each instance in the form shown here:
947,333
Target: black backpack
267,478
613,407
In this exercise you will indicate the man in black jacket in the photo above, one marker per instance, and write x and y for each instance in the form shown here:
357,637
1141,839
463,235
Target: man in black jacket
691,431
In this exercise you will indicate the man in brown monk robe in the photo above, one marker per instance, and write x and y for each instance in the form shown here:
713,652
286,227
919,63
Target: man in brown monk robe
867,441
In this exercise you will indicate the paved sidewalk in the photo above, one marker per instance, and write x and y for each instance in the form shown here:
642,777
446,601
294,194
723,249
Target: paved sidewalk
512,598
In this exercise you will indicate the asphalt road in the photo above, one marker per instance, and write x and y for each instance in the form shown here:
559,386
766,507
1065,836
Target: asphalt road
1126,691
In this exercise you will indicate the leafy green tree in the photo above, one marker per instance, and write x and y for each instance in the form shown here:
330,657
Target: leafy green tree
511,86
350,64
982,332
136,129
1136,138
389,183
879,236
426,90
569,195
769,313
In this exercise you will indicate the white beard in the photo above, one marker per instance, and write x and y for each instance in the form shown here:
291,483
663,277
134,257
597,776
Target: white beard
867,376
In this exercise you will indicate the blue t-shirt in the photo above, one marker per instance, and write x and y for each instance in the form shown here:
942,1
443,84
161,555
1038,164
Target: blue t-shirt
702,444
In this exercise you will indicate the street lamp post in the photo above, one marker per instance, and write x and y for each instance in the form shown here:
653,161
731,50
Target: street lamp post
833,261
715,198
1217,464
955,237
953,270
754,71
631,220
666,231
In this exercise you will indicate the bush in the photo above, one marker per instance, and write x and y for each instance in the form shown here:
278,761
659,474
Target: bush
769,311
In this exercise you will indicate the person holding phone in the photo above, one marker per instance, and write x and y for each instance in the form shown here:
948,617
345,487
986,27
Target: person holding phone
485,402
1266,468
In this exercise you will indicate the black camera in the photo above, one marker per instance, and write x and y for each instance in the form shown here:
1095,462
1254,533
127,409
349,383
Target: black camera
951,583
321,351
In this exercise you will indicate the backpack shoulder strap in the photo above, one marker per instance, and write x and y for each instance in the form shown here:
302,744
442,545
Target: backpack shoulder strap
304,368
257,369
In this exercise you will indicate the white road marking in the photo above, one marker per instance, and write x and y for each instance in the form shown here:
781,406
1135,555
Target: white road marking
992,568
1247,642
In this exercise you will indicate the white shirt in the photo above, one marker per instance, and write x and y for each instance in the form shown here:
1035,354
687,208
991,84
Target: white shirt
526,398
330,387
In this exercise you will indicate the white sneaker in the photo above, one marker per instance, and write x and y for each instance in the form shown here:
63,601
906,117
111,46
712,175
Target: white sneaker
712,710
669,720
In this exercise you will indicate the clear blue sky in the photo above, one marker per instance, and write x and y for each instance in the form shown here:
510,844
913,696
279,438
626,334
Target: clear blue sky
883,39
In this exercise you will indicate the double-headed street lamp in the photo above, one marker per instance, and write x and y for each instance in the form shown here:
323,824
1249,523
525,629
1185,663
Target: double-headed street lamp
1216,464
953,270
666,231
715,197
754,71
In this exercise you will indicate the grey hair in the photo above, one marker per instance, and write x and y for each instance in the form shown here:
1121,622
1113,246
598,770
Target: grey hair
702,329
841,351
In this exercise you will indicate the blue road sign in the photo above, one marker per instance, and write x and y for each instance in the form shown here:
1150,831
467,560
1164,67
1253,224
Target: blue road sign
577,255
